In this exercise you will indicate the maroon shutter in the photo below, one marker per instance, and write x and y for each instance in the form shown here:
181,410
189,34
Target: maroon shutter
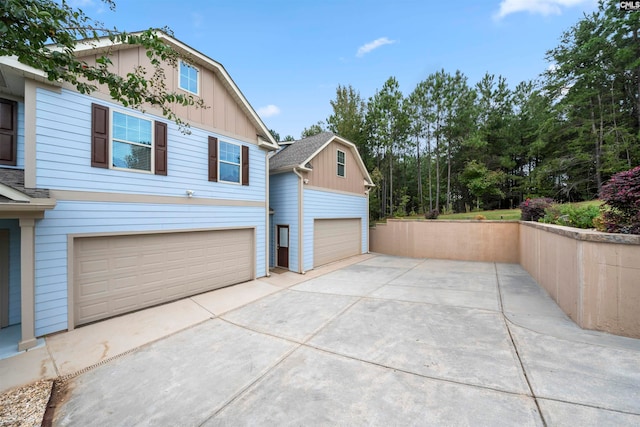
245,165
213,159
8,132
99,136
161,148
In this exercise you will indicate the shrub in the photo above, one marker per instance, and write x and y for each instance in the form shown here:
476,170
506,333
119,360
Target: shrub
621,194
570,215
432,214
533,209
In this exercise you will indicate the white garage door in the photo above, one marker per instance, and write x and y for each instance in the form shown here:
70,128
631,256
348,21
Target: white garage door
119,274
335,239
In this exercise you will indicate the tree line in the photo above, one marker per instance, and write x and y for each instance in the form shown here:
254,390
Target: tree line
450,145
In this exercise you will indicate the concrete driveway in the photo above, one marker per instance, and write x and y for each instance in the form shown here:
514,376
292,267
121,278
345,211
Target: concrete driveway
386,341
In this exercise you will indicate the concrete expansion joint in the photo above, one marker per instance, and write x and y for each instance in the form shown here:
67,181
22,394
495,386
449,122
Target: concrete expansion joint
305,343
67,377
515,347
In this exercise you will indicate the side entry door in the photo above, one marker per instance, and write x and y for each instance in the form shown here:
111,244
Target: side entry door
283,246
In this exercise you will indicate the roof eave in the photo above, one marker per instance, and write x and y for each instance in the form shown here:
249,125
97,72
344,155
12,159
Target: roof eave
104,43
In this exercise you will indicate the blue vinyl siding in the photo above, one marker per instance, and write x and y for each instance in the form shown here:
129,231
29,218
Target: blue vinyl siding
92,217
63,156
63,162
283,199
14,269
325,204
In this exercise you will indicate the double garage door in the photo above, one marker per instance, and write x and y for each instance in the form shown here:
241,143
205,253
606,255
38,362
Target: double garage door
335,239
118,274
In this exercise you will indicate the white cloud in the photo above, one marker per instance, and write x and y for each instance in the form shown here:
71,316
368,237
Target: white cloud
197,19
268,111
362,50
542,7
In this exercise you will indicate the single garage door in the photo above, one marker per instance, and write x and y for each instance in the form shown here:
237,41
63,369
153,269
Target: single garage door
335,239
119,274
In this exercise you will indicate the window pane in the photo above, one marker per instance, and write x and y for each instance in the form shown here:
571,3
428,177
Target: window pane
131,156
230,173
340,157
188,77
340,170
131,129
229,153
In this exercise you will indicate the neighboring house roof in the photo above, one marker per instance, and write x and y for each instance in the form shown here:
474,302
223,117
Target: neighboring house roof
104,44
299,153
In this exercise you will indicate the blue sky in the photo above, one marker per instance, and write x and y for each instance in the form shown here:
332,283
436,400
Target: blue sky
288,56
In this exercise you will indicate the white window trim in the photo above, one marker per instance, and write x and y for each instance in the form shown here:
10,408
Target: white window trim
220,161
344,164
152,146
197,93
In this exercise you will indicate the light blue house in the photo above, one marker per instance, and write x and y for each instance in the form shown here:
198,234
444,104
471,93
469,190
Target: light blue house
319,194
105,210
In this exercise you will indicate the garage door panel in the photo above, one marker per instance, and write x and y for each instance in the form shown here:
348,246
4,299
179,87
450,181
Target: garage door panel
335,239
118,274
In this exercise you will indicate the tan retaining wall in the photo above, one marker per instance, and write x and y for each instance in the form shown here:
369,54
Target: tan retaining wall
491,241
594,277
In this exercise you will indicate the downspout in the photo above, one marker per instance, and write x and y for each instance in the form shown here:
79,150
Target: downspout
366,192
300,221
267,227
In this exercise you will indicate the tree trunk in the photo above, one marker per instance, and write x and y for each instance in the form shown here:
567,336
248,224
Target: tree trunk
420,196
391,182
429,171
437,154
449,209
597,133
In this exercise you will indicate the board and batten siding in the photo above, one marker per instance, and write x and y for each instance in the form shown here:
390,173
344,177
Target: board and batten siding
225,113
325,174
283,199
14,269
63,157
324,204
68,217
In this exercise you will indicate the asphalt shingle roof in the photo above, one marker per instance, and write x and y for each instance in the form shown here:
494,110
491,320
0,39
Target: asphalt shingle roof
14,178
299,151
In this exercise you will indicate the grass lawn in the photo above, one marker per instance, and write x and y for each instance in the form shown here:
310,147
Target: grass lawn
502,214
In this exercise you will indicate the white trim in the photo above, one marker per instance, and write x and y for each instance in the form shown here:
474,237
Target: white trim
344,163
13,194
198,75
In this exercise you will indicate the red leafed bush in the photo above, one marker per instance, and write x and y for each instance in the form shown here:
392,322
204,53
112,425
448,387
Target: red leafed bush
533,209
621,195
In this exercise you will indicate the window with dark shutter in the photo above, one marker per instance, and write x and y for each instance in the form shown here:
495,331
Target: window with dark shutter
160,148
213,159
245,165
99,136
8,132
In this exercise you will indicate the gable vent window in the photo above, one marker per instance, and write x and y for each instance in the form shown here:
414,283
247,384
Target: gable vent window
188,78
125,141
341,163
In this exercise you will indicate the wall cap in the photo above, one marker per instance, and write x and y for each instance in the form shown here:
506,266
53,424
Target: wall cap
585,235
